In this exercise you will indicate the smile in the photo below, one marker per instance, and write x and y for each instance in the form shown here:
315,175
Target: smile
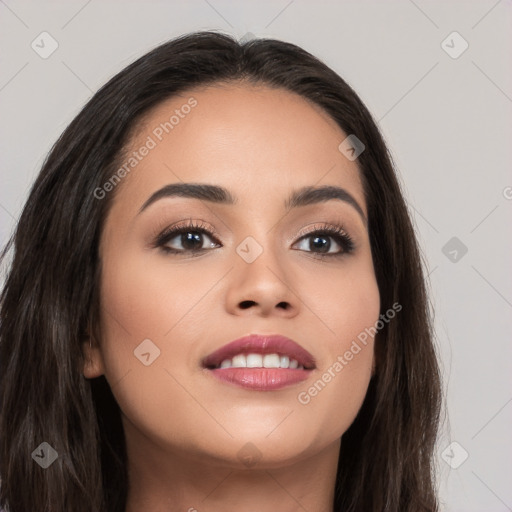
261,362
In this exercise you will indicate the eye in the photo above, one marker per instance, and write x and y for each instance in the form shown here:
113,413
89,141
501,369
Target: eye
318,241
192,238
188,238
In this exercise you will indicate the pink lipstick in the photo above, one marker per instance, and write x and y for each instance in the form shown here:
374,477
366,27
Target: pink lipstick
261,362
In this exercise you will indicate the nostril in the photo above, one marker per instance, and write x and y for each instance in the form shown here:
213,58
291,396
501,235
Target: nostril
246,304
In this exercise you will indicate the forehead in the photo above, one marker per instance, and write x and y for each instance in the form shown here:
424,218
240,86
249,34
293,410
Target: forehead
255,140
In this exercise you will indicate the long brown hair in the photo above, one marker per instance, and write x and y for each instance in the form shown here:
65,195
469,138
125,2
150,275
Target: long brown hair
50,297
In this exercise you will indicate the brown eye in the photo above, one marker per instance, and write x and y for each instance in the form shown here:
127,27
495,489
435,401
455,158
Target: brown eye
320,242
189,238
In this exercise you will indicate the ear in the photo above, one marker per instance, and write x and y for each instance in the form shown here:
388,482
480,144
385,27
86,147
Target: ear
93,358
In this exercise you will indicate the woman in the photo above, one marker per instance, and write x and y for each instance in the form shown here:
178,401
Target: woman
216,300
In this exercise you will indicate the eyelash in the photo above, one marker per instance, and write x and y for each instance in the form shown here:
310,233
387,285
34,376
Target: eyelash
336,232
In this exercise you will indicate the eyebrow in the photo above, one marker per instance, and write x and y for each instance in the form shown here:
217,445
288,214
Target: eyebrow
220,195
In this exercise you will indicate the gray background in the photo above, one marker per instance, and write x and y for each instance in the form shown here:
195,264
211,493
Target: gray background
447,121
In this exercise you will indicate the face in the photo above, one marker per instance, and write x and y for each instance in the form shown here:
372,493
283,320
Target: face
253,266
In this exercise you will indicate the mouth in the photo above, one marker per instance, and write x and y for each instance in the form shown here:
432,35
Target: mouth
261,362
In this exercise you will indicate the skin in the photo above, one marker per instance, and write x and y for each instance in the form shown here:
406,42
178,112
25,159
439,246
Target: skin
184,428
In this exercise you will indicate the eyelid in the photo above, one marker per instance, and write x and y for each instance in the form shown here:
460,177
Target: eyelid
190,224
324,226
334,231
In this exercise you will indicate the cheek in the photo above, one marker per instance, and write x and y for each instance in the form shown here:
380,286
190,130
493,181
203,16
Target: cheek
347,307
143,326
344,301
144,298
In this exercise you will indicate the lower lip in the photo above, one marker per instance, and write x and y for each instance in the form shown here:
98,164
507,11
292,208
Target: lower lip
261,379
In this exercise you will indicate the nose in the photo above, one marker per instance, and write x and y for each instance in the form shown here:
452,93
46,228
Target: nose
262,287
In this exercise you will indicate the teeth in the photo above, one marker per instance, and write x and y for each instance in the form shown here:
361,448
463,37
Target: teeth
261,361
271,361
254,360
239,361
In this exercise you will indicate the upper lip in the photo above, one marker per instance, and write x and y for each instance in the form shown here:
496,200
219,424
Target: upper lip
261,344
